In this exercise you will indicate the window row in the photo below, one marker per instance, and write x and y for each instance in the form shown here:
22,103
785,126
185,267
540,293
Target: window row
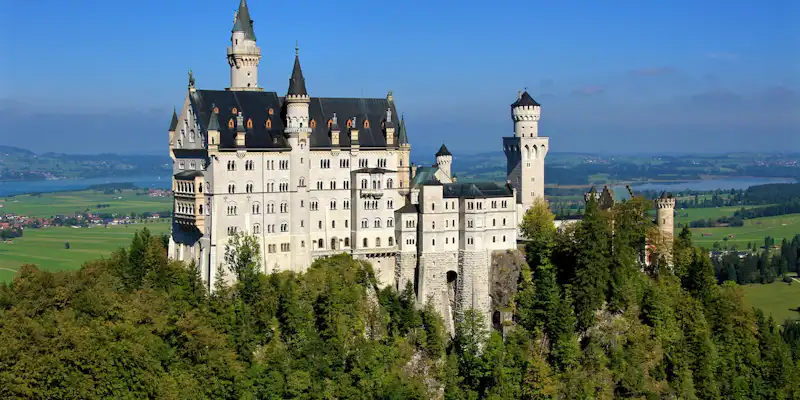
270,208
333,224
187,187
314,204
192,165
273,248
376,223
184,208
376,184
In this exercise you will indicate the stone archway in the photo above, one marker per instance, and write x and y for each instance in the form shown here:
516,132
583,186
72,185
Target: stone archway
452,291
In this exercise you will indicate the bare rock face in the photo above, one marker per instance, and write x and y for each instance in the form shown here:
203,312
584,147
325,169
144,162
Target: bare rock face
504,274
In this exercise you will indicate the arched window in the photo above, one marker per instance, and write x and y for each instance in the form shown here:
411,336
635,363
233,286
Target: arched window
377,242
377,222
346,242
268,124
366,124
389,183
366,243
363,183
391,241
320,243
390,223
333,243
234,110
350,125
270,111
231,188
256,208
230,123
302,182
256,229
364,223
313,124
249,123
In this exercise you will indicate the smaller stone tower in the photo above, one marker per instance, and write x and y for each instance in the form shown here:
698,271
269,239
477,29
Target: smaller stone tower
243,54
444,159
665,219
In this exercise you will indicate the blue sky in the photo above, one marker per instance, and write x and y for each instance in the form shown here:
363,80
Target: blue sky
88,76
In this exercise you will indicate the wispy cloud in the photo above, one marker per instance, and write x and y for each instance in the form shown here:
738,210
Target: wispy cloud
722,55
653,71
589,91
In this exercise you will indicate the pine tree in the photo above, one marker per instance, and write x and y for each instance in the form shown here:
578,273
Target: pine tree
592,269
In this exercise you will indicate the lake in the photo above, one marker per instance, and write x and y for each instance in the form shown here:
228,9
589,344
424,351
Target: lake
164,182
61,185
706,185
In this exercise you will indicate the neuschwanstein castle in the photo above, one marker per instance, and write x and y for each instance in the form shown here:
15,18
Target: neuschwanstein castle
311,177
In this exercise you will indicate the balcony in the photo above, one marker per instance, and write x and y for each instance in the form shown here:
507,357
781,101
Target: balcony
371,193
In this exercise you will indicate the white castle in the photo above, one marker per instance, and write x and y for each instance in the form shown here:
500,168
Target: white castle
312,177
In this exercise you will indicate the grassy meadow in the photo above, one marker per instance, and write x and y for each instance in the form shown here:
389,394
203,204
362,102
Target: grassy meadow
68,203
45,247
778,299
754,230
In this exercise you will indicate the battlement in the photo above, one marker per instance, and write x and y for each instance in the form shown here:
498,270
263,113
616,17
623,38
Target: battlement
526,113
665,202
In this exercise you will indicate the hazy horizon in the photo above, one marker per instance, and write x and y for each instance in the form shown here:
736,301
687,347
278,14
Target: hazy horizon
633,78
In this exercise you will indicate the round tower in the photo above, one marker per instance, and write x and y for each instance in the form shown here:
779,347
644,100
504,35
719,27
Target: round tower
526,112
444,159
665,216
243,54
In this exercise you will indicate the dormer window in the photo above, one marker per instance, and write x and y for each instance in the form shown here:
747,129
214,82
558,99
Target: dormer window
330,123
234,110
349,123
270,111
230,123
366,124
313,124
268,124
216,110
249,123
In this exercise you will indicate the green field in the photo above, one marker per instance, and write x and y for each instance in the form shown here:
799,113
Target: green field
686,215
68,203
45,247
754,230
777,299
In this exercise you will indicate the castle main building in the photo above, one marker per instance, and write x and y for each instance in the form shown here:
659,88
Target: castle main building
311,177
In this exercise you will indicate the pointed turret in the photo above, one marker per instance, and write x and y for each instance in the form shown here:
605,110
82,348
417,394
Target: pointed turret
243,23
213,123
443,151
401,135
297,84
525,99
174,124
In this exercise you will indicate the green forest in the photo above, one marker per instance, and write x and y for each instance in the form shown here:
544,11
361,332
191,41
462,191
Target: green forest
588,323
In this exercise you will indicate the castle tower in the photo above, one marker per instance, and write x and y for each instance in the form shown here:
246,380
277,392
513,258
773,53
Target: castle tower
297,132
405,171
665,219
444,159
243,54
525,152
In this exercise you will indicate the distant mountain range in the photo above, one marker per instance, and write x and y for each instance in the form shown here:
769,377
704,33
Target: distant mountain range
23,165
563,169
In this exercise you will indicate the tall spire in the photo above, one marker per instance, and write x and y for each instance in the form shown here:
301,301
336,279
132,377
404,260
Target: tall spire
297,84
402,136
174,123
243,23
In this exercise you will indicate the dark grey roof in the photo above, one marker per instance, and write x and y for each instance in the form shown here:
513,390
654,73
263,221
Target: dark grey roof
188,174
665,195
255,106
443,151
174,123
297,84
243,22
476,190
373,171
525,100
409,208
